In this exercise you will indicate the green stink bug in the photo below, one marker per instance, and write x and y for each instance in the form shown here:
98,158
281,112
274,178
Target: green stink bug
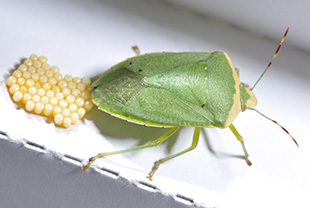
198,89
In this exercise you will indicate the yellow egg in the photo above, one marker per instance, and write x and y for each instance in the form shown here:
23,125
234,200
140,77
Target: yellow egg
11,80
37,64
45,91
28,62
75,117
34,57
23,67
13,88
86,81
21,81
57,110
38,107
58,118
17,73
42,59
17,96
30,105
26,97
23,89
55,69
67,122
48,109
88,105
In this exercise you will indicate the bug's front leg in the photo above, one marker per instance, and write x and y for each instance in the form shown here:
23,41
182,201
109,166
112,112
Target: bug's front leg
161,161
240,139
156,142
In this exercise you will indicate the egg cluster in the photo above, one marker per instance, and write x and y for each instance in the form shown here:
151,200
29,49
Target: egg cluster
43,90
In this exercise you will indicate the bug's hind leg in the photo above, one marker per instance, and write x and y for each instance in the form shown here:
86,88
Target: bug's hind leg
239,137
156,142
161,161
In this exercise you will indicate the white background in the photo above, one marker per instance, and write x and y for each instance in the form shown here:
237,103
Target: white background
262,17
85,38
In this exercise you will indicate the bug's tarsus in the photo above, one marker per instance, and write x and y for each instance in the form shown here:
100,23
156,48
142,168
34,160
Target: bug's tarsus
90,161
165,159
274,56
154,168
246,158
276,123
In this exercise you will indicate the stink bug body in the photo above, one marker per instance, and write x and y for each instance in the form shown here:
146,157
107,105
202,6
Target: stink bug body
198,89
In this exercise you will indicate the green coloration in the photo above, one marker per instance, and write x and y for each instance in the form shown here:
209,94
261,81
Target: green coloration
240,139
172,90
193,146
237,71
244,94
247,98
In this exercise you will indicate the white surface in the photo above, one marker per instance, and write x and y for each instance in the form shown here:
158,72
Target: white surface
85,38
262,17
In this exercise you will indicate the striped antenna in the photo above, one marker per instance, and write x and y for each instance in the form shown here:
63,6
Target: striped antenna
276,123
274,56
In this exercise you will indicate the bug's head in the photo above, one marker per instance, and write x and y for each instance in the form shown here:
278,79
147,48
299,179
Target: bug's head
247,97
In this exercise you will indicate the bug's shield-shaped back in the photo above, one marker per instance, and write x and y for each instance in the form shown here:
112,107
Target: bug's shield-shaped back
200,93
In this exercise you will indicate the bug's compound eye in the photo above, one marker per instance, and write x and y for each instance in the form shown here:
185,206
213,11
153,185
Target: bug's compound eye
245,85
140,70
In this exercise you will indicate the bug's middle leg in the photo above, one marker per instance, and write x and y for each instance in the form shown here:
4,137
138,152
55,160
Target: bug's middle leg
161,161
156,142
240,139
